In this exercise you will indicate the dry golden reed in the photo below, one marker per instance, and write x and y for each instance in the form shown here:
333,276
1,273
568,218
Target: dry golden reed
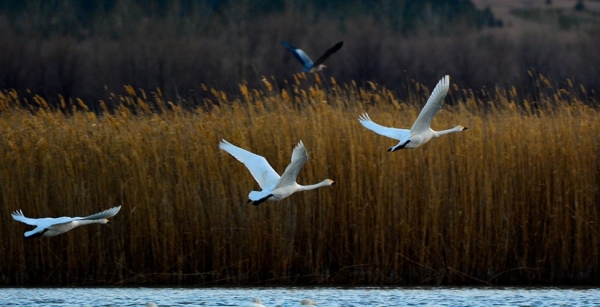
512,200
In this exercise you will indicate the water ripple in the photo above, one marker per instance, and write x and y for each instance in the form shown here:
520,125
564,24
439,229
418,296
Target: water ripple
278,297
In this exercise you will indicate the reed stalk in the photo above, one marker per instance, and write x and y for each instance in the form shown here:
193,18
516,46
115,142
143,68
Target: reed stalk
512,200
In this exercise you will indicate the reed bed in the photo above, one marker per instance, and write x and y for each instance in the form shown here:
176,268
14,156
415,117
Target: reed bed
512,200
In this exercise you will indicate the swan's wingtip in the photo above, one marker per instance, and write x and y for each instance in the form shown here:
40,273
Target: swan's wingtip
364,117
17,212
223,143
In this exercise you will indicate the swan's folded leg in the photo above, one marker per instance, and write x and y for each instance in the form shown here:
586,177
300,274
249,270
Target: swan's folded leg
260,201
392,149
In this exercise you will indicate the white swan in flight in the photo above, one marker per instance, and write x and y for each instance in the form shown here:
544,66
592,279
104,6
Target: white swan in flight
309,66
49,227
308,302
256,302
274,188
420,132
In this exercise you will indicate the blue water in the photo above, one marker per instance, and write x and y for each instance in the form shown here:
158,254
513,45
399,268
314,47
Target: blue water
273,297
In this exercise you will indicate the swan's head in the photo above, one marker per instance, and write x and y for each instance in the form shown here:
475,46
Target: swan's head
308,303
257,300
151,304
460,128
318,68
328,182
104,221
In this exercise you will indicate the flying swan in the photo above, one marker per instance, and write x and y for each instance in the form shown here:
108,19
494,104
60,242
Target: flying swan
420,132
49,227
309,66
274,188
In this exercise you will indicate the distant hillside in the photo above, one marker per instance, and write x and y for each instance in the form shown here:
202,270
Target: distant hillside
90,49
88,17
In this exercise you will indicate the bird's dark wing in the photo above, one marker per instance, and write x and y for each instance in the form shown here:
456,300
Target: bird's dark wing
328,53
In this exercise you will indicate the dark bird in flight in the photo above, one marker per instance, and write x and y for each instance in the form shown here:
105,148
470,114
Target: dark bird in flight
309,65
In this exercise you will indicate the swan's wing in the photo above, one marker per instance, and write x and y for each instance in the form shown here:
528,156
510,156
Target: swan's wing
299,157
433,105
45,223
394,133
41,222
101,215
33,232
19,216
299,54
56,221
328,53
258,166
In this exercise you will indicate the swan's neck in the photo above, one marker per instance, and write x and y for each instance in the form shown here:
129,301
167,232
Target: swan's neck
313,186
87,222
440,133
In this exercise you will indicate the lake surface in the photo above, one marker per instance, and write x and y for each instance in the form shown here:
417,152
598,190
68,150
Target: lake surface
272,297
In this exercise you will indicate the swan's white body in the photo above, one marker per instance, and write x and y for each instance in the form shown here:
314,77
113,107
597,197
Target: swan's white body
49,227
256,302
420,132
309,65
274,188
308,302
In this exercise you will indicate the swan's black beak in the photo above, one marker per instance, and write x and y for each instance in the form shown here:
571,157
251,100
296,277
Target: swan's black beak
333,182
465,128
108,221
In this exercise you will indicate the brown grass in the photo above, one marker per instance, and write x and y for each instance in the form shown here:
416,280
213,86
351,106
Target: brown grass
513,200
